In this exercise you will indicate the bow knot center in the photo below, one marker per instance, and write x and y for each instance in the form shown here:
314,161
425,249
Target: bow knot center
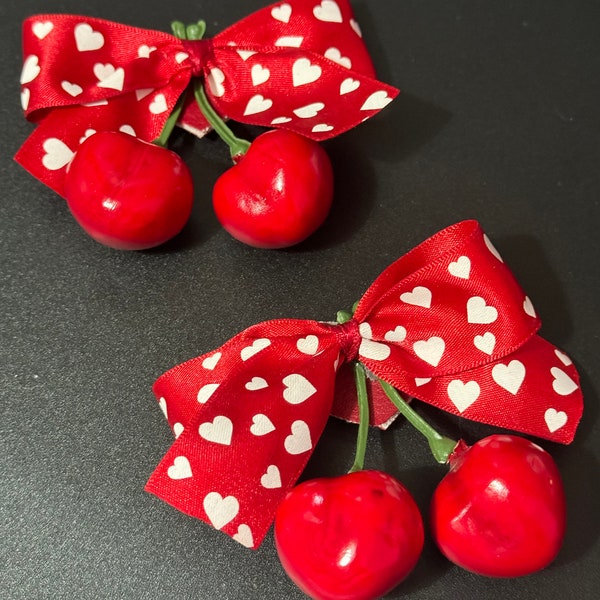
349,338
199,52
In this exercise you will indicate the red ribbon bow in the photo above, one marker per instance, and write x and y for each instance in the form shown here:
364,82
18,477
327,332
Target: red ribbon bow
447,323
299,65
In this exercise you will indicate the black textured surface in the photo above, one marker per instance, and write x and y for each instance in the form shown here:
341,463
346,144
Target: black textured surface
499,120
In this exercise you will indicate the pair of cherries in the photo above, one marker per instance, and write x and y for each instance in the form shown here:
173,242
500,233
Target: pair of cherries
132,195
498,512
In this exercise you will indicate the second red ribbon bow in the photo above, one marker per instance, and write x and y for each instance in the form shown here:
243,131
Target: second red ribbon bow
447,323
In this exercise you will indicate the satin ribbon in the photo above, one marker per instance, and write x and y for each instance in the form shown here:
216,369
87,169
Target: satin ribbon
447,323
299,65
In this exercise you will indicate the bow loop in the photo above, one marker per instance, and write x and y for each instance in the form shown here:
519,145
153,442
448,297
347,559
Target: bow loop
253,410
445,312
100,65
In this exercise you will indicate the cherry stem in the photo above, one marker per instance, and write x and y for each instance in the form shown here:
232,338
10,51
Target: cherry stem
163,139
363,423
441,447
237,146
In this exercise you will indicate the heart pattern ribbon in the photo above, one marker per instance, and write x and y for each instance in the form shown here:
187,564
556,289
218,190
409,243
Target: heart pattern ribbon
447,323
300,65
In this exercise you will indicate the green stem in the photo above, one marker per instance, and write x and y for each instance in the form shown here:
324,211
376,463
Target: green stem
441,447
167,130
237,146
363,412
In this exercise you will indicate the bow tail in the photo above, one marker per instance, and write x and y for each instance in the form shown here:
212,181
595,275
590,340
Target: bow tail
250,415
48,151
535,390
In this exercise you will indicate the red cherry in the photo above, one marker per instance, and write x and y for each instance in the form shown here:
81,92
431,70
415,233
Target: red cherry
278,193
127,193
500,511
353,537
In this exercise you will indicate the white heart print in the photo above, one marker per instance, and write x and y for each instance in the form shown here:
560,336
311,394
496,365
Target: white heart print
461,267
144,51
272,478
349,85
261,425
369,348
486,342
25,97
216,78
256,383
210,362
376,101
109,77
142,93
254,348
555,419
420,296
510,376
479,312
257,104
180,469
290,41
280,120
177,429
71,88
491,247
259,74
528,307
218,431
42,28
57,154
219,510
31,69
299,440
245,54
87,39
297,389
336,56
431,350
310,110
322,128
162,403
206,391
282,13
562,384
564,359
244,536
308,344
396,335
328,11
463,394
356,27
86,135
304,72
158,104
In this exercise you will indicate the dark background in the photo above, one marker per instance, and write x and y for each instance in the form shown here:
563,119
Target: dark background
498,121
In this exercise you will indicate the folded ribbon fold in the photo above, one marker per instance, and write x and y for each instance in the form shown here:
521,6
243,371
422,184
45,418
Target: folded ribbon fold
447,323
299,65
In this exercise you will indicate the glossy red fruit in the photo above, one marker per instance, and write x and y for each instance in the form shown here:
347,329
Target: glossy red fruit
127,193
353,537
278,193
500,511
